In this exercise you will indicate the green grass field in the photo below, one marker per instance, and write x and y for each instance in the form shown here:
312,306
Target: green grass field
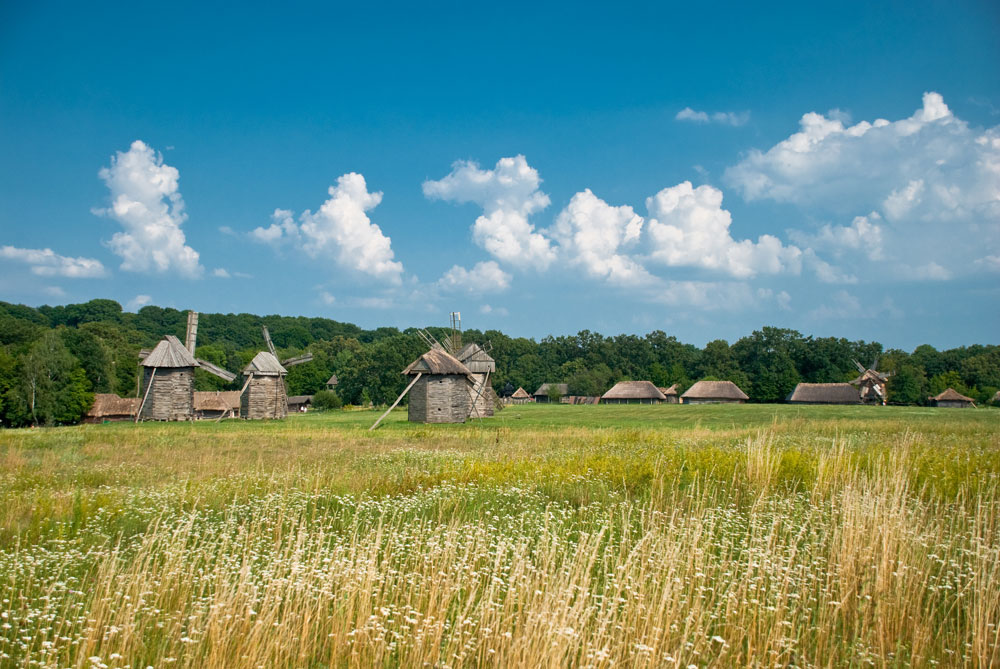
545,536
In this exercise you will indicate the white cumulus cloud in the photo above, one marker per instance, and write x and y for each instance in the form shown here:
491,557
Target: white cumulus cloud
688,227
45,262
508,194
593,234
930,182
340,229
484,277
734,119
138,302
146,201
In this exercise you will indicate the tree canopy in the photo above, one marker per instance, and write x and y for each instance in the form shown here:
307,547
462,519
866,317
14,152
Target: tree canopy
53,358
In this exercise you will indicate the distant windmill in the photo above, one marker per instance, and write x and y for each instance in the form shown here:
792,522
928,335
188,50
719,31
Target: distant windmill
168,376
872,384
450,383
263,395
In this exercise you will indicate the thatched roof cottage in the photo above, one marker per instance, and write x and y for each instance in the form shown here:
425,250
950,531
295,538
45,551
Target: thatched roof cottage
264,395
671,395
633,392
109,408
520,396
824,393
299,403
714,392
952,399
542,394
213,404
441,392
168,382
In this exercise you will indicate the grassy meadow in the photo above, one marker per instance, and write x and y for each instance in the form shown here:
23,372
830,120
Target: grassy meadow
548,536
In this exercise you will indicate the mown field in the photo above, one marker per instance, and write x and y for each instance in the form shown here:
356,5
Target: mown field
548,536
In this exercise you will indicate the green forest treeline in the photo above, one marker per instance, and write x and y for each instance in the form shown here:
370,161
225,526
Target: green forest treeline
52,359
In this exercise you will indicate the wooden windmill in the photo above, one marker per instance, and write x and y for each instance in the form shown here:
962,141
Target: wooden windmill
264,395
168,376
872,384
446,388
484,400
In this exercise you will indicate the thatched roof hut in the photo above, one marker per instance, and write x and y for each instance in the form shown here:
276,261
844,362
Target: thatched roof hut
211,404
824,393
168,382
671,394
542,394
520,396
299,403
332,382
442,391
633,392
108,408
714,392
952,399
481,364
264,396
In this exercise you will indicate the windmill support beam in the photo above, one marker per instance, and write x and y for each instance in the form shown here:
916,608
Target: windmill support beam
401,395
138,413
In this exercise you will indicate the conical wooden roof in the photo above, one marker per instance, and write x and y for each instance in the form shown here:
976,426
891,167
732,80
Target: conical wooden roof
170,352
437,361
265,364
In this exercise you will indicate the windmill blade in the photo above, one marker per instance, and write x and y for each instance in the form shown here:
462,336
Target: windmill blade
144,353
429,339
191,335
875,362
861,368
297,360
267,338
223,374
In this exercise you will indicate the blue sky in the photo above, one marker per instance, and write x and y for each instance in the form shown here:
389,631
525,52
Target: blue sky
702,170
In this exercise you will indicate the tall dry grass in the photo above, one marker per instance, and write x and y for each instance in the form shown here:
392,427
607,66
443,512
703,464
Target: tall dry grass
762,552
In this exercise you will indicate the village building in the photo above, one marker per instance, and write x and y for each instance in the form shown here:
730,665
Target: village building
670,394
216,404
952,399
168,382
109,408
520,396
714,392
633,392
580,399
542,394
482,396
332,382
440,391
824,393
264,391
299,403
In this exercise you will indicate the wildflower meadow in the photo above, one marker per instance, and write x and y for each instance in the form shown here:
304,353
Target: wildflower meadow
654,536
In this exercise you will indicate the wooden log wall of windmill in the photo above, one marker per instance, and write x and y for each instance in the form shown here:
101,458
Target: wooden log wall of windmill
264,395
167,382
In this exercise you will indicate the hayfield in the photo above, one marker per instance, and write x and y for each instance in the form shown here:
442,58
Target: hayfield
548,536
